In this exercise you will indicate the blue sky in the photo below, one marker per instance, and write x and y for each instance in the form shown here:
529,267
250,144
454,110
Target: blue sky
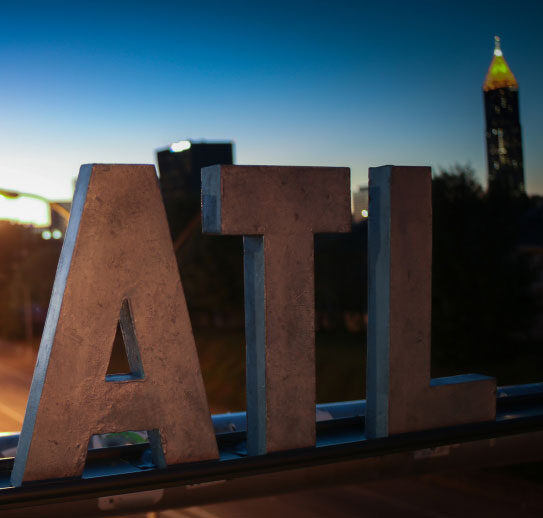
354,84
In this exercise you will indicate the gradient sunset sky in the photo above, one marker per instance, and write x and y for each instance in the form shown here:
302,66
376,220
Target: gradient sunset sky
354,84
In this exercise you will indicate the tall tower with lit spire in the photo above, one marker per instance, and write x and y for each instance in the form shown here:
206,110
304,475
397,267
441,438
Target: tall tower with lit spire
503,134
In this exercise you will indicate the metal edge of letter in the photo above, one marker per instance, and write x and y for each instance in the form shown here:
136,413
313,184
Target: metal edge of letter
255,351
211,199
377,363
255,309
51,321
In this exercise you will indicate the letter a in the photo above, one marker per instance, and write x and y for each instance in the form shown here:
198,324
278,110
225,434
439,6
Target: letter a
117,258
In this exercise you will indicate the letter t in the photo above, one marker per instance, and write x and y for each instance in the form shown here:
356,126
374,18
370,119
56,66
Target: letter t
278,210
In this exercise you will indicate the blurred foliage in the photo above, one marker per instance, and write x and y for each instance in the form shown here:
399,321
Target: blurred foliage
27,270
211,268
484,305
340,367
341,272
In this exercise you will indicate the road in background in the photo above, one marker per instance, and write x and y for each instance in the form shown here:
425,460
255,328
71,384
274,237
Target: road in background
16,369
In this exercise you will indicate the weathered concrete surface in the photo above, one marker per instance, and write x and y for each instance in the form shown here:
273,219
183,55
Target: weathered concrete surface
278,210
400,395
117,248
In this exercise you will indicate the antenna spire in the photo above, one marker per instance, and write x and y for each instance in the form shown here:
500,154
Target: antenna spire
497,48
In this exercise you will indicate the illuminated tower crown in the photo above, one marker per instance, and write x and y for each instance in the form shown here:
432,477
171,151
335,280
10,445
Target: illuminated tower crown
503,133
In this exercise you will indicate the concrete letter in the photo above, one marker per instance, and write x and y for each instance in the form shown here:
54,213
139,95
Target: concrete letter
117,259
401,397
278,210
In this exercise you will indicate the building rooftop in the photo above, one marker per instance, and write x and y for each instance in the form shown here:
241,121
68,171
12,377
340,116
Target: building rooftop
499,74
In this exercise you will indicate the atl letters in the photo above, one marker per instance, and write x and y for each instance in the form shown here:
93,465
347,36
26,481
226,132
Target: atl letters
118,266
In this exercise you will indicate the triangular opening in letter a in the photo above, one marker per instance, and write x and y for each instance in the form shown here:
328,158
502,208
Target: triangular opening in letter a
125,362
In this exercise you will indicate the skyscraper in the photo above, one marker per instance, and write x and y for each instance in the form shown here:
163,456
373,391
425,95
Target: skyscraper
212,268
503,134
179,169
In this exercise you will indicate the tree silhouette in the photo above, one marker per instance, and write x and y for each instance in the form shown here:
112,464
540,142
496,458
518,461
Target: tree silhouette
483,303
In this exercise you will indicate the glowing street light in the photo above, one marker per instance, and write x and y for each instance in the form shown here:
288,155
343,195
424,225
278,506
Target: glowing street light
57,207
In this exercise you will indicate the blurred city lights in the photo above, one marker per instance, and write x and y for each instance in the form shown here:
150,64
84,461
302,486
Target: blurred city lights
46,234
24,210
182,145
364,213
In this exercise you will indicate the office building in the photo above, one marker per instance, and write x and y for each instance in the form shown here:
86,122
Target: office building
179,171
503,132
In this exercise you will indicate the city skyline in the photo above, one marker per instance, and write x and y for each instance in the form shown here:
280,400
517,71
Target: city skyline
302,83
